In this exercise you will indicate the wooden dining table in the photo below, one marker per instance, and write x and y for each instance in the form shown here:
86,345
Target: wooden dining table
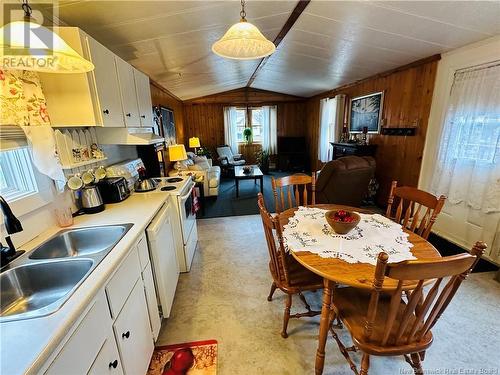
359,275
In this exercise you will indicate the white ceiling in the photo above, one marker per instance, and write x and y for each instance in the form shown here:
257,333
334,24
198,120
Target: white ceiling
332,43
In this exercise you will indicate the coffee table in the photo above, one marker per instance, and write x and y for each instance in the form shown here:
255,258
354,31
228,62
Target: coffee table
255,174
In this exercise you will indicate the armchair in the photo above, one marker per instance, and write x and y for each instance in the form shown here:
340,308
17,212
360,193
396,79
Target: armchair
345,180
227,159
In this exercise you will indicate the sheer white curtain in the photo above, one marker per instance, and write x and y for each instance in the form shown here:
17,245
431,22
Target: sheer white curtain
230,132
468,164
270,129
327,116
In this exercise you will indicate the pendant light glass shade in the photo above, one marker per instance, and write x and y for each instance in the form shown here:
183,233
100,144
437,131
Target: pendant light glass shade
243,41
26,45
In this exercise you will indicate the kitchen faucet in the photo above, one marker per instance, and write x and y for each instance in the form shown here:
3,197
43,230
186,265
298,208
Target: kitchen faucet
12,225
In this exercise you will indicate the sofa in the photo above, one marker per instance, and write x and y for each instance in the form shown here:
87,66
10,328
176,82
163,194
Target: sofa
202,169
345,180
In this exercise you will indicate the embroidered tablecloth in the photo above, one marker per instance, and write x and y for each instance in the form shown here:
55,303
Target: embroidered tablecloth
308,230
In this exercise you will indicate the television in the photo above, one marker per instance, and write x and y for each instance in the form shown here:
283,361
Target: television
291,144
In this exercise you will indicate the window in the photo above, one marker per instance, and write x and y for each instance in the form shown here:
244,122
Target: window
257,123
17,179
468,161
262,120
241,123
479,138
253,121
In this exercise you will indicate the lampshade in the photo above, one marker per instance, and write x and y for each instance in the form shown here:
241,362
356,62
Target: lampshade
243,41
194,142
177,152
41,51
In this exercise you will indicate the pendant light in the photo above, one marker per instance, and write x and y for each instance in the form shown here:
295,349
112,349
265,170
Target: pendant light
26,45
243,41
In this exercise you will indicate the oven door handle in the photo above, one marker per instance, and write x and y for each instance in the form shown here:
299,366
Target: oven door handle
184,197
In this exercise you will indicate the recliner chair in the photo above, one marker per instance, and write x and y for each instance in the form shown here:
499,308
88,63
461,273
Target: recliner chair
345,180
227,159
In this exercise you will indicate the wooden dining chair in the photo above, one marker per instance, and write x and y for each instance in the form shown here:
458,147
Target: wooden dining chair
288,190
415,210
382,323
288,275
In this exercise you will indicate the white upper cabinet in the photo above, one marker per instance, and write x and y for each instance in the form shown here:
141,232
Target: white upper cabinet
71,99
128,93
106,84
114,94
144,98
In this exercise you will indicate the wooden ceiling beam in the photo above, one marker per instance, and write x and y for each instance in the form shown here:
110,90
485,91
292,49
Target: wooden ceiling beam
297,11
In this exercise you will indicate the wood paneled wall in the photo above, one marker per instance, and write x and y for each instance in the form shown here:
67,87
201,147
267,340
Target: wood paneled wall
160,96
204,118
407,99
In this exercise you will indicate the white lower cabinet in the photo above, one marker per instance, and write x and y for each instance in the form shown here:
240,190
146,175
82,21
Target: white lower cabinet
154,313
116,335
108,360
81,349
122,282
133,333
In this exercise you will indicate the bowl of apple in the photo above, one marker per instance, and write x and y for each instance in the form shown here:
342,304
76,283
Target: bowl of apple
342,221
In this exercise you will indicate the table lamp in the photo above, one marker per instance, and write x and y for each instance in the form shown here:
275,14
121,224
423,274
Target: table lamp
177,153
194,142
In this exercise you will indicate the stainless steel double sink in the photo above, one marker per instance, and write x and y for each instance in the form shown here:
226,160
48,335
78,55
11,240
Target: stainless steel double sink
41,281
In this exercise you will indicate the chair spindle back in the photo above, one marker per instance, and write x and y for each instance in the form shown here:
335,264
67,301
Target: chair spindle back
416,210
288,191
274,237
410,323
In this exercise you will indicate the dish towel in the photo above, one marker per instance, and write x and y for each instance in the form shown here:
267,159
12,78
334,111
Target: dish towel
308,230
195,207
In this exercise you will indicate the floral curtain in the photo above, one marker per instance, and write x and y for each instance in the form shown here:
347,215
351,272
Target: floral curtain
23,104
468,163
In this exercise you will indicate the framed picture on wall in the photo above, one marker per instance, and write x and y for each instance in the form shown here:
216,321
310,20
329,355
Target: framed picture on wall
168,126
366,111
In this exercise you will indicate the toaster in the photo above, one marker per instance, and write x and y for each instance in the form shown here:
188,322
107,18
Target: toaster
113,189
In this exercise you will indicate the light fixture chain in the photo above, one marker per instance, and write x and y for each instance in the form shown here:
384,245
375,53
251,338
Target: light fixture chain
243,13
27,8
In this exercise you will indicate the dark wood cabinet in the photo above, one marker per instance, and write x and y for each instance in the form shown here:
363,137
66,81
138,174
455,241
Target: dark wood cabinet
347,149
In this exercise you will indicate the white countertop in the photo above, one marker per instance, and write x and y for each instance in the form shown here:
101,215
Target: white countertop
27,344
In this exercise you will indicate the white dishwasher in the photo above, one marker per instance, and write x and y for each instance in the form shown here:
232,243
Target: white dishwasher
163,257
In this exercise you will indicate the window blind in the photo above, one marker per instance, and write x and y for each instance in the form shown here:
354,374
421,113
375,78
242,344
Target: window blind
12,137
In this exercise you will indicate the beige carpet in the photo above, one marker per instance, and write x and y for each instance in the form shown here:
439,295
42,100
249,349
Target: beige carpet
224,298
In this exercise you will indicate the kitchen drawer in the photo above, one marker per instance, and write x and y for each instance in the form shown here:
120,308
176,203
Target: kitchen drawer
108,360
80,351
122,282
133,333
142,248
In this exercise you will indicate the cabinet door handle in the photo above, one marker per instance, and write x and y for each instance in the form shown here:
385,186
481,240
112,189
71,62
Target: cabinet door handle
128,115
106,111
143,116
113,364
126,335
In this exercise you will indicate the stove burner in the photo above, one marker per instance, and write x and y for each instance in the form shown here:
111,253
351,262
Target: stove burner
174,179
158,180
167,188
